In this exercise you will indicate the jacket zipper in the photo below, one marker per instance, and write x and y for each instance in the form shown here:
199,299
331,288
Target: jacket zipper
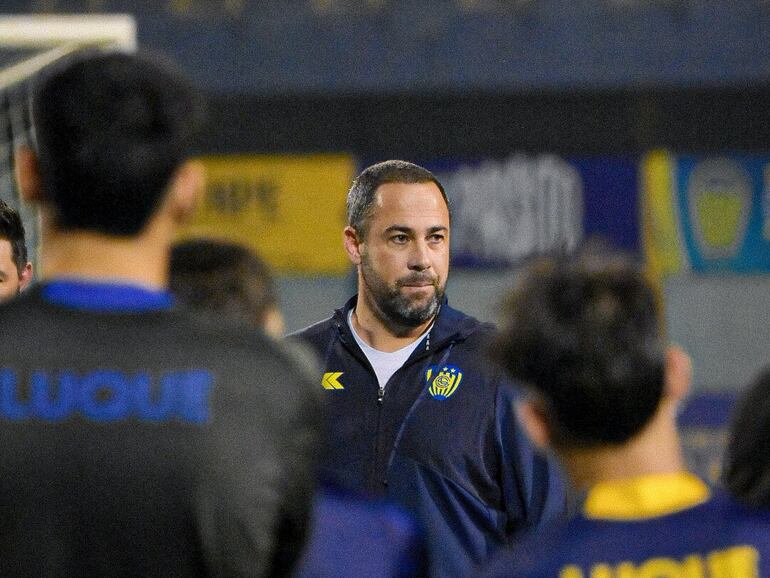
380,397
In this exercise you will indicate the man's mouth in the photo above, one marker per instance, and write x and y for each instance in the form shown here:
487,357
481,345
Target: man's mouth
417,284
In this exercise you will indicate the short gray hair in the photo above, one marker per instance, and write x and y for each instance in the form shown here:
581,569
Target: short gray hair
362,192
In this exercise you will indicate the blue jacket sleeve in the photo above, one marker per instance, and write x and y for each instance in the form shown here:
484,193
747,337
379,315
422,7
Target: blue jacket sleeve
534,487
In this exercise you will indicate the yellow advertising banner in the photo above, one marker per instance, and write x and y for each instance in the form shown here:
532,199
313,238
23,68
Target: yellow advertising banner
659,215
290,209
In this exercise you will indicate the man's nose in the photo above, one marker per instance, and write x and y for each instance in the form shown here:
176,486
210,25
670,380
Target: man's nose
419,258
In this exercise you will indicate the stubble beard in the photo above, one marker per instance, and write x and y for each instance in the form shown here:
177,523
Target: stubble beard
397,310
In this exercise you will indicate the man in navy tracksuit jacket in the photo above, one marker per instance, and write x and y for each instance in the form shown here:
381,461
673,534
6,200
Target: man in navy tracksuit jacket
415,412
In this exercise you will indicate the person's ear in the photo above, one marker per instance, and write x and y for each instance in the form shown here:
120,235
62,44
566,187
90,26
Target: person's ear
273,323
534,420
27,172
187,189
25,278
352,245
677,373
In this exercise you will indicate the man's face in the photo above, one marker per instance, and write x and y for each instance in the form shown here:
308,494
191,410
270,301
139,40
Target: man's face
10,281
405,255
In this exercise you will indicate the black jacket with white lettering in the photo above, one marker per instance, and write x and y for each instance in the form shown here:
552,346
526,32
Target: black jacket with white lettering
440,439
148,444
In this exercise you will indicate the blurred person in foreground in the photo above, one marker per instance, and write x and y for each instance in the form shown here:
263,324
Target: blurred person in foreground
227,280
136,440
746,471
223,280
415,411
583,334
15,270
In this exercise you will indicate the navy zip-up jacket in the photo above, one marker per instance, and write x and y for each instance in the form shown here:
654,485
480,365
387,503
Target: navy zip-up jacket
442,439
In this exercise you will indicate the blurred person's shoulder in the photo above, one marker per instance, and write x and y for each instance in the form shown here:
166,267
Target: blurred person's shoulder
301,354
242,339
316,329
316,336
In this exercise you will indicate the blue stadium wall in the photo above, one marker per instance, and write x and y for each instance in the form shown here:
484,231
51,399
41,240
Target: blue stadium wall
345,46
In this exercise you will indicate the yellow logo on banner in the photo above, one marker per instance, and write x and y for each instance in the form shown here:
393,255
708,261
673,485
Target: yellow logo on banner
719,194
289,208
720,215
331,380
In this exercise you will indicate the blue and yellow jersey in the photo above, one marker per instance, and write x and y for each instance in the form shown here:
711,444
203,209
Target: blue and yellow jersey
657,526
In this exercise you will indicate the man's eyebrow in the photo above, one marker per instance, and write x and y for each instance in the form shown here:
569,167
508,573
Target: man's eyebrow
400,228
407,229
3,276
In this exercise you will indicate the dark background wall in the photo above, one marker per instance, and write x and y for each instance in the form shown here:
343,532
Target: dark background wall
434,78
479,124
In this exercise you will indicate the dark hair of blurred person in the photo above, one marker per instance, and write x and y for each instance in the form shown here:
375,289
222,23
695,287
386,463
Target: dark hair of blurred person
585,335
746,472
106,167
15,270
227,280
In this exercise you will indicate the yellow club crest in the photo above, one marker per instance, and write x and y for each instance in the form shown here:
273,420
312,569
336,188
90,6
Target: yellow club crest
443,380
330,380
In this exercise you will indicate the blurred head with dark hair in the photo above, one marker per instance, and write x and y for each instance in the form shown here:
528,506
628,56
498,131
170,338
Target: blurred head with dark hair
110,173
582,333
746,472
111,129
226,280
15,270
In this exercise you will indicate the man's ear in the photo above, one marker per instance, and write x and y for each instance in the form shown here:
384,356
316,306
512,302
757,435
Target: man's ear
186,189
677,373
352,245
26,276
27,174
534,420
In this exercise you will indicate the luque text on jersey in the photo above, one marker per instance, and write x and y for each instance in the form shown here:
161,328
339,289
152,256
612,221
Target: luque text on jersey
105,395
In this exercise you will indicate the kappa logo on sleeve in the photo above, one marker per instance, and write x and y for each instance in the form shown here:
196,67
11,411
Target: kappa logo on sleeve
330,380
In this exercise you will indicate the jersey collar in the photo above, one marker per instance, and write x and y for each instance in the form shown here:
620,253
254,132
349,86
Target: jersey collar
115,297
645,496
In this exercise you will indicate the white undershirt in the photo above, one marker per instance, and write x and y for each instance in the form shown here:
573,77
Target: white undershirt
384,363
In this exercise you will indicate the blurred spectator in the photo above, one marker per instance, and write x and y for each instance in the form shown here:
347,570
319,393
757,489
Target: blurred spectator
746,471
223,280
227,280
582,333
137,441
15,270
